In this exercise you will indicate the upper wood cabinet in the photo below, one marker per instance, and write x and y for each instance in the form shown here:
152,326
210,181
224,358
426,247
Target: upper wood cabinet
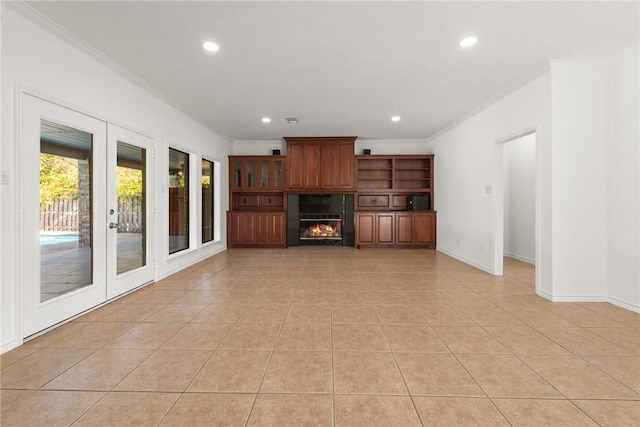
256,172
320,163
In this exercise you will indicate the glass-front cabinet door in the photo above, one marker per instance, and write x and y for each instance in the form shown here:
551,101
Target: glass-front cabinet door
256,173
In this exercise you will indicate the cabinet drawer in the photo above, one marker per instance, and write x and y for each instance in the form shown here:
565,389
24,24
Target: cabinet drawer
373,200
400,202
271,201
248,201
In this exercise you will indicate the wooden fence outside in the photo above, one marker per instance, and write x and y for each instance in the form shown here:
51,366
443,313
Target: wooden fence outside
62,215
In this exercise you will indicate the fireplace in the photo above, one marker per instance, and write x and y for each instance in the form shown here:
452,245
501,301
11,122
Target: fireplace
320,219
320,229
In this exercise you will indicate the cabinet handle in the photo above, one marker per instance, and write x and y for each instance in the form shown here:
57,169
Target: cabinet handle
244,200
269,200
373,200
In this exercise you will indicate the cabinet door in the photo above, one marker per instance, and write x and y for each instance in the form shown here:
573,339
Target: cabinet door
270,229
262,228
277,229
311,165
295,165
365,229
240,229
346,165
277,165
234,234
404,228
329,166
425,228
385,229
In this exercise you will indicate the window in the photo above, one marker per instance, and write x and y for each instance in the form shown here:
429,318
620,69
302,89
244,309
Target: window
178,201
207,201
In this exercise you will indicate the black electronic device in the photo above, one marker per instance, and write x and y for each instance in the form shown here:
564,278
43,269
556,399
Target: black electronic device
418,203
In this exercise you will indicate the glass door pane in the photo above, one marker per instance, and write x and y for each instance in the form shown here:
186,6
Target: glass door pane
251,173
277,174
130,191
264,174
66,237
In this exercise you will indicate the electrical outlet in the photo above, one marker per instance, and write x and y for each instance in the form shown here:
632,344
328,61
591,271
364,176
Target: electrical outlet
458,240
4,177
481,248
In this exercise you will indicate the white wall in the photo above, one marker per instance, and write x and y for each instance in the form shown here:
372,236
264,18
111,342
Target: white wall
579,170
258,147
393,146
377,146
520,198
466,168
623,161
586,116
38,61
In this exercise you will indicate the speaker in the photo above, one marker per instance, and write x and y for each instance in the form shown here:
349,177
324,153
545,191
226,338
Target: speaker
275,152
366,151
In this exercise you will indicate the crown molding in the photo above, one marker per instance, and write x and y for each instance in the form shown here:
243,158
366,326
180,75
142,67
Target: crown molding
38,18
501,94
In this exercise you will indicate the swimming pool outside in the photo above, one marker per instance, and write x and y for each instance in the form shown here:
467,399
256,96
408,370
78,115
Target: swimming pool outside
53,238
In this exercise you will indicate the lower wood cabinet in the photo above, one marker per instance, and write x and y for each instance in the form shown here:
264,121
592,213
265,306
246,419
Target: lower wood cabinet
252,229
385,229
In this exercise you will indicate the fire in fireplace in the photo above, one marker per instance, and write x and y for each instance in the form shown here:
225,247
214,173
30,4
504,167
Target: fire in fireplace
320,227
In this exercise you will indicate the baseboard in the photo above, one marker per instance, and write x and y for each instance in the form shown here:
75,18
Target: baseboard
8,346
623,304
190,263
578,298
521,258
465,260
544,295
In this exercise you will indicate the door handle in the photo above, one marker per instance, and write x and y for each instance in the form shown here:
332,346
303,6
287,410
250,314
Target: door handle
113,225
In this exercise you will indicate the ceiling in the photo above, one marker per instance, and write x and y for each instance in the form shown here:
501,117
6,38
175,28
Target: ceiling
341,68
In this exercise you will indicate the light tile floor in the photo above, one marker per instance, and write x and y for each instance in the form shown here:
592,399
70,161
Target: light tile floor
326,336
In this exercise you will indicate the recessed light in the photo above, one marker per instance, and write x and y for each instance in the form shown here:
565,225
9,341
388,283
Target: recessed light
468,41
266,120
211,46
395,118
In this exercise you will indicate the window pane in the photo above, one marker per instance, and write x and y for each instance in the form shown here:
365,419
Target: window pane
66,240
178,201
207,201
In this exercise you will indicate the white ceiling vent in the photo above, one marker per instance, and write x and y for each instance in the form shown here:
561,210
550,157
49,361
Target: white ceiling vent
291,120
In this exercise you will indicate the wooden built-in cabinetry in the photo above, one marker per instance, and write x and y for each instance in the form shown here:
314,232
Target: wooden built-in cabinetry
385,182
384,185
410,229
257,215
246,229
320,164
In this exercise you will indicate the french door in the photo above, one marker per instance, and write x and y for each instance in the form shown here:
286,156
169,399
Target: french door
87,212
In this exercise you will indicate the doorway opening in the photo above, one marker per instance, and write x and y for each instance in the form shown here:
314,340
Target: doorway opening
516,207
